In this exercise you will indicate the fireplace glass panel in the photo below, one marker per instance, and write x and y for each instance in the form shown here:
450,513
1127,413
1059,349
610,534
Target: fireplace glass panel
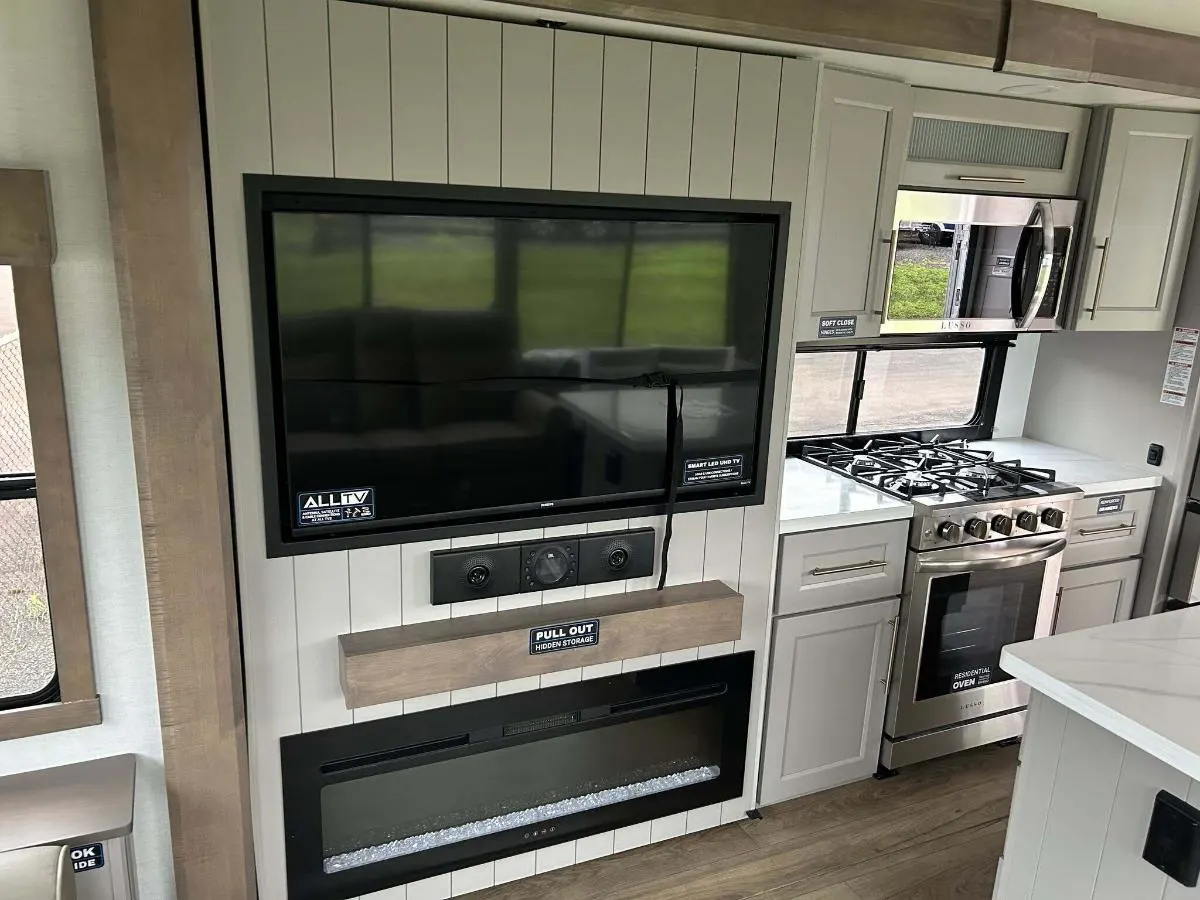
419,807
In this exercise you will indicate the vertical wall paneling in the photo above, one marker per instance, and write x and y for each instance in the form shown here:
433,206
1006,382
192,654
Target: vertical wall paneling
578,84
1040,753
322,613
669,131
626,96
375,603
760,530
1123,873
359,63
757,117
514,868
1079,811
650,581
631,836
239,139
435,888
419,127
526,105
713,123
414,579
668,827
298,69
557,857
473,104
594,847
474,878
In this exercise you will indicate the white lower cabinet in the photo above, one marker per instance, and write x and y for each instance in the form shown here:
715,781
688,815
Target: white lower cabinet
828,690
1096,595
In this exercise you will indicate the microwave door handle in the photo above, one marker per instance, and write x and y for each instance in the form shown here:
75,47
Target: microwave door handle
1045,267
939,567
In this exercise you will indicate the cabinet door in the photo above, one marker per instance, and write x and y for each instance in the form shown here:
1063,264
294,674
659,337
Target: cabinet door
841,566
828,690
1096,595
1144,205
859,146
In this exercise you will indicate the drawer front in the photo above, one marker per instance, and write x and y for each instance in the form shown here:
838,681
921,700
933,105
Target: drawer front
1108,527
824,569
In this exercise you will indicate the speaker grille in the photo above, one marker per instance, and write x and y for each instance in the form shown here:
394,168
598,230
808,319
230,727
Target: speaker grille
981,143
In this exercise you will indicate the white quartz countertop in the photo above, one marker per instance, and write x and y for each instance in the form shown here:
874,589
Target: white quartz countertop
1090,473
1139,679
815,498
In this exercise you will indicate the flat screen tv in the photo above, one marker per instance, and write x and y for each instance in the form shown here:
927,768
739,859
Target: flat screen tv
436,360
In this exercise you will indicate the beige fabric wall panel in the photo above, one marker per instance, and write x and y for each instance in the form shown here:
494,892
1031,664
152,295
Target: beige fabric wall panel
326,87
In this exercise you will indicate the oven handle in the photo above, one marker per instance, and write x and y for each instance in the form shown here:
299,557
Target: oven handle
987,565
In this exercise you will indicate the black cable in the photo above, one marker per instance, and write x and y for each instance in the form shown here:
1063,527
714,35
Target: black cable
674,468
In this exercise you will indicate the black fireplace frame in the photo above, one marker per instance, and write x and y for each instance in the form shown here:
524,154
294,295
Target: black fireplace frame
316,759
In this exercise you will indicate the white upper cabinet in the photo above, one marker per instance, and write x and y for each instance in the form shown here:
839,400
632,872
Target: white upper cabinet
1141,184
971,142
861,133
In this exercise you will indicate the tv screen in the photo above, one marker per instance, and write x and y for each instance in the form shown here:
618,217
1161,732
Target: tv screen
435,358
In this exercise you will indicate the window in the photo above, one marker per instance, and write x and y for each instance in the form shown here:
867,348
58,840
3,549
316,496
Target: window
951,390
47,682
27,665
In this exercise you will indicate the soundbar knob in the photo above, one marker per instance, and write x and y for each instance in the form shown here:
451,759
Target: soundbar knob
1002,525
976,528
1027,520
1053,518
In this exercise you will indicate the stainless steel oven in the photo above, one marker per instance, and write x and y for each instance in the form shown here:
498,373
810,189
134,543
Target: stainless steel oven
978,263
962,605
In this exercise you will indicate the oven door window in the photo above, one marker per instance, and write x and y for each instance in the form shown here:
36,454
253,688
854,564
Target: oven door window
971,617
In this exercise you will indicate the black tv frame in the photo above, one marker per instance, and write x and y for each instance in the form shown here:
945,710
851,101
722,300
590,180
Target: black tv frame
356,195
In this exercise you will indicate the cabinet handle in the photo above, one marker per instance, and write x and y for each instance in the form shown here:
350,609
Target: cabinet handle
1109,530
994,179
1103,250
853,567
884,288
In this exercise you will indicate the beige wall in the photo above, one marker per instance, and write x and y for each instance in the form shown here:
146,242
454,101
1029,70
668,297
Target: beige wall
48,120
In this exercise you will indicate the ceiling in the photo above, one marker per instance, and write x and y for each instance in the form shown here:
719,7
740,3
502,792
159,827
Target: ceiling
1175,15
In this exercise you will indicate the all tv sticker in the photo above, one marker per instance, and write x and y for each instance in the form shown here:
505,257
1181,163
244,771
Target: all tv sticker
335,507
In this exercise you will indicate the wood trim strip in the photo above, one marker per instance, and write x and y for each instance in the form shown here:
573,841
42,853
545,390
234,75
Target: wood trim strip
26,226
967,32
30,720
1050,41
33,290
146,83
390,664
1146,59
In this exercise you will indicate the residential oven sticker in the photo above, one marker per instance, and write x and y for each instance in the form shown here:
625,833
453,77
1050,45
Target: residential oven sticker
972,678
335,507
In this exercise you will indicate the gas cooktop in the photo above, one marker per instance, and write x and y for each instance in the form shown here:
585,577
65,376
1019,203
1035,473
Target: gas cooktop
933,473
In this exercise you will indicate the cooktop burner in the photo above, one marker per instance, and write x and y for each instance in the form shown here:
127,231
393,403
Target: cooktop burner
932,472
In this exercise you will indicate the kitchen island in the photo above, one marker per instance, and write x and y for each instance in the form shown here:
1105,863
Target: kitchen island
1114,718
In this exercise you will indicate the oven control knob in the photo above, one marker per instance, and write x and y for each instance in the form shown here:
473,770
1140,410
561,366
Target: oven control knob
1054,518
1002,525
976,528
1027,520
950,531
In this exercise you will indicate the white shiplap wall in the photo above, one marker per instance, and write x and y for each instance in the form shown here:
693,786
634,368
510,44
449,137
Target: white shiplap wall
330,88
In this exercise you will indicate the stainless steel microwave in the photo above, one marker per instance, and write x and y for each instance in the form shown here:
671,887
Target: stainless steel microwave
977,262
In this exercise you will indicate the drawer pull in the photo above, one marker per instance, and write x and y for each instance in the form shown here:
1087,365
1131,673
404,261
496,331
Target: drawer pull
1110,530
853,567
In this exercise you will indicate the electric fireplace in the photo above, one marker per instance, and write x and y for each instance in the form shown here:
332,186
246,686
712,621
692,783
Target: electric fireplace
382,803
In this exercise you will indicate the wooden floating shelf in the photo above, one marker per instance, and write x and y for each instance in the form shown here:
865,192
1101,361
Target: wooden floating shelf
433,657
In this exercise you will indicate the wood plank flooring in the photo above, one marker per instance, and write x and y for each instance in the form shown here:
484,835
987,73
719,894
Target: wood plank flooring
934,832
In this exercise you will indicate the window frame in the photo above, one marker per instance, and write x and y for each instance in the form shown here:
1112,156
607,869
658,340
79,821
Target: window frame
27,246
979,428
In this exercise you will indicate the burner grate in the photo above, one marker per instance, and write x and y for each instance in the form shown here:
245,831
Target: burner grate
908,468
